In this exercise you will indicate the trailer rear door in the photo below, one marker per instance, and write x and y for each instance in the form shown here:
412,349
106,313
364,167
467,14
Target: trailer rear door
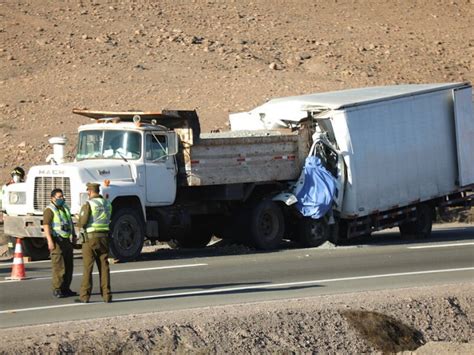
464,122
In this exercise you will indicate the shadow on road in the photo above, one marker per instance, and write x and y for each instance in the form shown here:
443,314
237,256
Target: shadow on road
190,288
448,234
393,237
209,290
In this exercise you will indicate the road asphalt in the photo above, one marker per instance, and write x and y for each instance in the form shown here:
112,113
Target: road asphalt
170,280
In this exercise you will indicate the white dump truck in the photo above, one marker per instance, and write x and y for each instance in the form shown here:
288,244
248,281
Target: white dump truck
396,153
165,180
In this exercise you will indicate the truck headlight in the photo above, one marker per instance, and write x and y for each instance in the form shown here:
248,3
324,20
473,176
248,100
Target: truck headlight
17,198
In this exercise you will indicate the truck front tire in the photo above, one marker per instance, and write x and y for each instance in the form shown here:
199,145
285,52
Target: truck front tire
127,234
312,232
34,248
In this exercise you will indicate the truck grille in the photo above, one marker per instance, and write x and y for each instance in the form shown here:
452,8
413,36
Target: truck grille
43,187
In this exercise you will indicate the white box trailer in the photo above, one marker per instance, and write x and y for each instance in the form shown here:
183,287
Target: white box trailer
401,144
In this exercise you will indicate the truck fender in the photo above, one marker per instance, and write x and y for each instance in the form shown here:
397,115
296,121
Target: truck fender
285,197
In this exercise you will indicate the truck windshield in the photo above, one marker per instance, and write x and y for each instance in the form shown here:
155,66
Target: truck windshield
109,145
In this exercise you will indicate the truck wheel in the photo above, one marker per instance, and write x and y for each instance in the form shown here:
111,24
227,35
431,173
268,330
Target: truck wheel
312,232
35,248
421,228
267,225
127,234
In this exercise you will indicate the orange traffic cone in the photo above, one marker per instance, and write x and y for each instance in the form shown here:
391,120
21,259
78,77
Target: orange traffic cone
18,267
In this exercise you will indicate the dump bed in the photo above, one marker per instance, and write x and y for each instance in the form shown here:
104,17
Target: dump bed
244,157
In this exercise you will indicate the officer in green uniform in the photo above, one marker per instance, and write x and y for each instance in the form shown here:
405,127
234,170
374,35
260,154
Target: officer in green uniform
58,230
94,219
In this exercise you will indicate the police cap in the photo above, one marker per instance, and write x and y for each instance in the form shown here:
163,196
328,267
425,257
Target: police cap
93,186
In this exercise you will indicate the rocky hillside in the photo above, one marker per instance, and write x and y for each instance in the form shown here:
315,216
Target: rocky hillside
215,56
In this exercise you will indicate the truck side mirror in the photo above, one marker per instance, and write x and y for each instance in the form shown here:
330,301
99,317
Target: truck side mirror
172,144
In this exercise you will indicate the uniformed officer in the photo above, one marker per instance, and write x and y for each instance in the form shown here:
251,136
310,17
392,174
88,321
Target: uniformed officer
58,230
17,175
94,218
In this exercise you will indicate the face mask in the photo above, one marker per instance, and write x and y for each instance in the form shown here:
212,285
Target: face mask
60,202
16,178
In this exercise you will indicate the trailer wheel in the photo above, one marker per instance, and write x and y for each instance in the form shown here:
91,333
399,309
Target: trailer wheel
35,248
267,225
421,228
312,232
127,234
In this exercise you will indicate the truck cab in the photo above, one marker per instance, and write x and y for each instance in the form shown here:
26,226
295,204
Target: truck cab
133,160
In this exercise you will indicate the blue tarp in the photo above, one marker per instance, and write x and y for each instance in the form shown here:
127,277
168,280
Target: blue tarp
315,189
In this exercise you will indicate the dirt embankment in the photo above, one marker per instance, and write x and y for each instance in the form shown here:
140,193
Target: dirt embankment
428,320
213,56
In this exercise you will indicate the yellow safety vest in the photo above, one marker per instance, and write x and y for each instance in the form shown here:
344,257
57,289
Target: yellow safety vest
62,225
101,212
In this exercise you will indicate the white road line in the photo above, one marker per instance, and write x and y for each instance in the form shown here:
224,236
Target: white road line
116,271
243,288
440,245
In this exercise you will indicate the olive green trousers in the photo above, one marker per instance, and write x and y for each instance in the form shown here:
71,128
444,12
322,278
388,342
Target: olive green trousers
62,264
96,249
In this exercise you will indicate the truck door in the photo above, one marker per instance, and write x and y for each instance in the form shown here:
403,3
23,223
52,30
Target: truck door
160,170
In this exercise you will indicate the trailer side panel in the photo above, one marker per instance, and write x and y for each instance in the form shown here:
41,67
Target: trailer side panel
398,152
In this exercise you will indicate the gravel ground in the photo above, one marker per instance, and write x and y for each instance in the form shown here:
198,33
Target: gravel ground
427,320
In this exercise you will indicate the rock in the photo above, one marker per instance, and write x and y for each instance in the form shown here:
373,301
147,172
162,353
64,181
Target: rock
22,145
274,66
305,55
196,40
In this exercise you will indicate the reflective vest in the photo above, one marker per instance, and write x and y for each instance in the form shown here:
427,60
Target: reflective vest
62,222
101,212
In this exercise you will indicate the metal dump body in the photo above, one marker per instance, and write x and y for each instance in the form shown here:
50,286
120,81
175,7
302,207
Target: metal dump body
244,157
401,144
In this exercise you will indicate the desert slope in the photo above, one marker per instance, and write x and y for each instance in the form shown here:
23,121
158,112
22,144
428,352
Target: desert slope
213,56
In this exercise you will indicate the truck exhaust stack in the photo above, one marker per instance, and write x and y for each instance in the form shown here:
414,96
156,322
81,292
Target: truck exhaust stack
58,144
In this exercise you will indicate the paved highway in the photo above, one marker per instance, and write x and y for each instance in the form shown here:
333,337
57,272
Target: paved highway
169,280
